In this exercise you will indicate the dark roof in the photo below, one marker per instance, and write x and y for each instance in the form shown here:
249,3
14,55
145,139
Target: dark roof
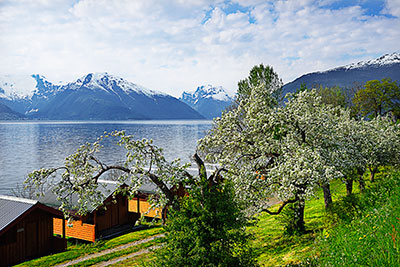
13,207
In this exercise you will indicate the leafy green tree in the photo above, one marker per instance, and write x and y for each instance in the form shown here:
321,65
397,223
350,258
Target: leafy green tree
378,98
261,76
334,96
207,230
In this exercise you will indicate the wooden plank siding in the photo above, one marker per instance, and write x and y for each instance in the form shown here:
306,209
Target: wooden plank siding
141,206
88,227
30,238
75,229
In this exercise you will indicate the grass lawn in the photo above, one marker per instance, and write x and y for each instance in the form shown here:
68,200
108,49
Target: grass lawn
76,251
274,248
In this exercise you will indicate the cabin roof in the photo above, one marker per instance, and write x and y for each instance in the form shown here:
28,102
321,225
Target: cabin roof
14,208
106,188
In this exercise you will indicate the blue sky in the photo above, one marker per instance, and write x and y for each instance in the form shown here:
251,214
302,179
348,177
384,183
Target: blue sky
178,45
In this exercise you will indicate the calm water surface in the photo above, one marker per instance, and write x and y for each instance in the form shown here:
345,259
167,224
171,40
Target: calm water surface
26,146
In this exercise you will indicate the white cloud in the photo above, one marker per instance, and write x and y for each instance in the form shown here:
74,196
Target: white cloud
177,45
392,8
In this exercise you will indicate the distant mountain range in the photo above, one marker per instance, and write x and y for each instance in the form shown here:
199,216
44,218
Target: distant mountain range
208,100
8,114
387,66
102,96
95,96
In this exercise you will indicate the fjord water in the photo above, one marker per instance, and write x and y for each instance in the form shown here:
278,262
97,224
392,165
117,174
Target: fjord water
29,145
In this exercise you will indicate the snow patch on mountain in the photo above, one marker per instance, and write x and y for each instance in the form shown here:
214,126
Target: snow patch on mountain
17,86
106,82
386,59
208,100
207,91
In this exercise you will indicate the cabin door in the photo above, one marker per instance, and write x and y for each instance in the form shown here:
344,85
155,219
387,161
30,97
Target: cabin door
31,236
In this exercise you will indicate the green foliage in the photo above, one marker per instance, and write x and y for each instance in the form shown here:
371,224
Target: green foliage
260,76
372,237
335,96
207,230
378,98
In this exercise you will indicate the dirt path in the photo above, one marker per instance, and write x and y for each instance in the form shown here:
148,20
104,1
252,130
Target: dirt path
111,250
116,260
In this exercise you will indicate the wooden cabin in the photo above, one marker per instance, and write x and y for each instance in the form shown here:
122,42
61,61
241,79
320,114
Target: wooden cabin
100,220
139,203
26,230
110,217
115,214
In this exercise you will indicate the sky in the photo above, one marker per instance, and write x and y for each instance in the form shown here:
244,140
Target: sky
176,45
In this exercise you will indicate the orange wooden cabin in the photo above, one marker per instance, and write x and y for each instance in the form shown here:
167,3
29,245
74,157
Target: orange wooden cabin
115,214
26,230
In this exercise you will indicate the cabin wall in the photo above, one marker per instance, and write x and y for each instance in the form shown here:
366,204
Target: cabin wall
99,220
143,207
30,238
114,214
75,229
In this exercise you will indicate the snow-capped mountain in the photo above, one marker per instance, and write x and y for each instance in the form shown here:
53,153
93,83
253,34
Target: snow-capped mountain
17,86
386,66
208,100
387,59
97,96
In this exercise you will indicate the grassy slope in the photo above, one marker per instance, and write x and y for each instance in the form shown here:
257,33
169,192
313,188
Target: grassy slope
372,238
76,251
274,248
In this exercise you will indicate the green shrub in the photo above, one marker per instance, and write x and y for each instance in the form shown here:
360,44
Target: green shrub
207,230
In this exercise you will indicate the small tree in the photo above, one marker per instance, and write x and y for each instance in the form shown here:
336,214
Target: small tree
261,76
207,230
382,144
378,98
335,96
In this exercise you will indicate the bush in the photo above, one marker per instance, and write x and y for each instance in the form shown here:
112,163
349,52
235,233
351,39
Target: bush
207,230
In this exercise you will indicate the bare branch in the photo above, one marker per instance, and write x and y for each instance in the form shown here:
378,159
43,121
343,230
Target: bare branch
281,207
201,166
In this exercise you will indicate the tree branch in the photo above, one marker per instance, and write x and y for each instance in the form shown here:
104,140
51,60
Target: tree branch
200,165
281,207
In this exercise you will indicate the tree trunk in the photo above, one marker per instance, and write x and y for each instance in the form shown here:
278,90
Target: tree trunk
360,172
373,172
163,215
327,195
349,186
299,216
361,184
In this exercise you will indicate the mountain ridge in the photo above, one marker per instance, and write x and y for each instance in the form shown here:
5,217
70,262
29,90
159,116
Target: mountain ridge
208,100
95,96
348,76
